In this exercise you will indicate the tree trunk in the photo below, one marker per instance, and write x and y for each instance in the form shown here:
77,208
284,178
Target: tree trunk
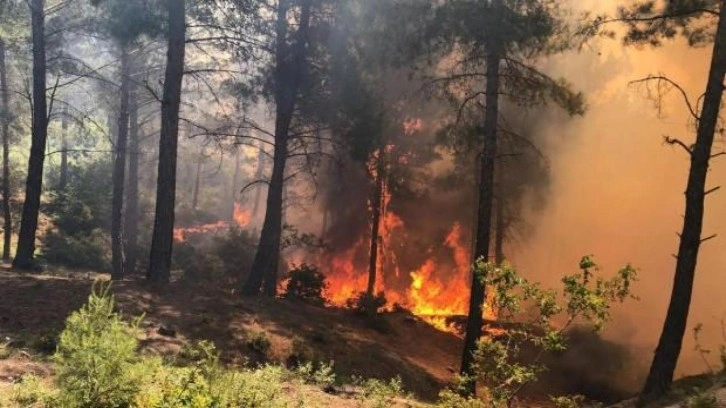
258,176
162,240
669,346
377,209
5,129
119,172
500,224
235,184
500,233
484,214
288,75
63,179
131,228
197,180
34,183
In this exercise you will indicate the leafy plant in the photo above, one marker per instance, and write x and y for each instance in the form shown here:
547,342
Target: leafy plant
96,360
378,393
537,320
306,283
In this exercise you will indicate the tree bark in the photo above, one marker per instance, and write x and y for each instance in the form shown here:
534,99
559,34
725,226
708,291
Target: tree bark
288,75
258,176
377,209
5,129
63,179
484,213
501,231
666,356
34,183
119,171
131,227
197,180
500,222
162,240
235,184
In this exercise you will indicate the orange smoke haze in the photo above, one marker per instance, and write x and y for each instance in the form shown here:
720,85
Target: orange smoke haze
617,190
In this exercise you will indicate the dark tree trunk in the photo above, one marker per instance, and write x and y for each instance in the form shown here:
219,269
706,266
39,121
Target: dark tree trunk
119,171
500,222
5,129
484,214
63,179
235,184
288,76
197,180
377,209
501,232
162,240
34,183
669,346
131,228
258,176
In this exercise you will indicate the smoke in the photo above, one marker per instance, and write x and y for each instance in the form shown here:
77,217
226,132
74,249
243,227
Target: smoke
613,189
617,190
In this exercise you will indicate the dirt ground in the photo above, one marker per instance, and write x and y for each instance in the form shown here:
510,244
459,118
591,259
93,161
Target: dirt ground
33,309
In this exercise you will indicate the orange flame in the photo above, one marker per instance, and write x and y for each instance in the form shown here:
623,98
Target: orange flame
241,216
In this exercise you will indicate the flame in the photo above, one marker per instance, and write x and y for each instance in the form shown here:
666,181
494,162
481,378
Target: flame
241,216
181,234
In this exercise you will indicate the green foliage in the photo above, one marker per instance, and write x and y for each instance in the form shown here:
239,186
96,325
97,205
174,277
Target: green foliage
451,399
651,22
226,259
83,252
30,392
703,400
80,216
321,375
378,393
568,401
539,320
96,360
306,283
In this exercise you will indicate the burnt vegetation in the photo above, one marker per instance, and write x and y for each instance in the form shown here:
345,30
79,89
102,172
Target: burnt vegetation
358,202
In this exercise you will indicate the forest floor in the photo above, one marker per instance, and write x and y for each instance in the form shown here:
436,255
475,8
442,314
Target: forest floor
33,309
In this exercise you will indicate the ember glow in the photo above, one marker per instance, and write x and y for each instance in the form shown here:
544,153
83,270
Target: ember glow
241,218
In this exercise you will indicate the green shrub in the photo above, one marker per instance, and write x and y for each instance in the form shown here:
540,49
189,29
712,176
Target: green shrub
83,251
538,322
80,232
225,258
96,362
30,392
380,394
321,375
306,283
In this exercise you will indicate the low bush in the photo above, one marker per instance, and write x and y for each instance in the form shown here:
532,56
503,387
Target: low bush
305,283
364,303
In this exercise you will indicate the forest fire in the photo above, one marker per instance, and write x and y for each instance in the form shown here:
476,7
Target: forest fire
240,216
434,293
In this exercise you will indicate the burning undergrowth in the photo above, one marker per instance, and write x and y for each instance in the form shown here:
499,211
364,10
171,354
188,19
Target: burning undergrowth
426,212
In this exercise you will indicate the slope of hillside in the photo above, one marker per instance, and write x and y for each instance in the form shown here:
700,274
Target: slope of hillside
33,309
